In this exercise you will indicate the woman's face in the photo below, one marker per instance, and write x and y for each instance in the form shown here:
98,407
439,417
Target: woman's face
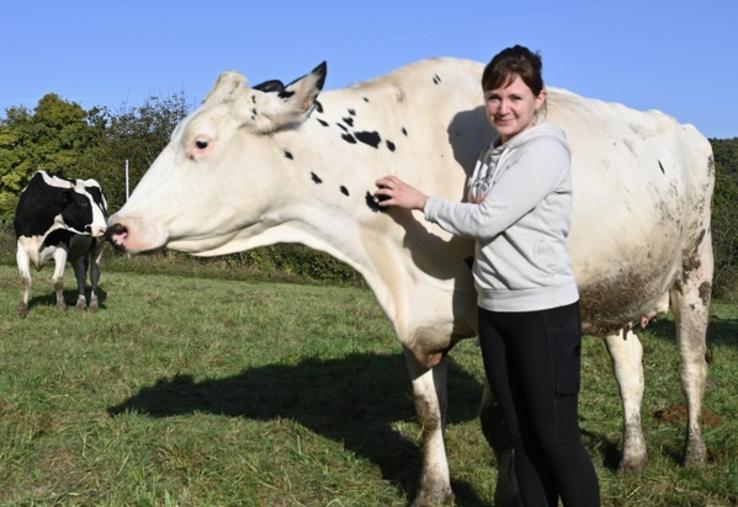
511,108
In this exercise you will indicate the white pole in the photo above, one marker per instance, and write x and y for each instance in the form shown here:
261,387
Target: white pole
127,194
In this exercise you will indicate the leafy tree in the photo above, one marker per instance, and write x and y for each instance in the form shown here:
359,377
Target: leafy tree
136,134
52,138
724,217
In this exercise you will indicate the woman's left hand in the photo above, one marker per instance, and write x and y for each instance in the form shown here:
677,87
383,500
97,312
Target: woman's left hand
395,192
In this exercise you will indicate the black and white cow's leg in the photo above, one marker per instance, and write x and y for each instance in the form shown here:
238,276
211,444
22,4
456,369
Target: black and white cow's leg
507,493
95,257
626,353
429,392
690,304
60,261
80,272
24,271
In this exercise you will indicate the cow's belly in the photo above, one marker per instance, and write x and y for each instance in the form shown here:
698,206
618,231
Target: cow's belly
620,285
79,246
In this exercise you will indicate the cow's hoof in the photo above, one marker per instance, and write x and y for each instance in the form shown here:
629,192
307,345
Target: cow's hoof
695,455
94,306
22,310
81,305
633,463
62,307
434,498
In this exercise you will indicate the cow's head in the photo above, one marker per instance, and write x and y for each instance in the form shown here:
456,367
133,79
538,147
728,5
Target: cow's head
215,181
77,205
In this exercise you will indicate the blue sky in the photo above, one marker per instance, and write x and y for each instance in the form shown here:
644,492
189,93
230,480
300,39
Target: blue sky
678,57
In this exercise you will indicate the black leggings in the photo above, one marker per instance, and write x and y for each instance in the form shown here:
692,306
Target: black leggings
532,360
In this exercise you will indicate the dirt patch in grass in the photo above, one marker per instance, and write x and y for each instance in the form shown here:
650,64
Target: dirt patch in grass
678,414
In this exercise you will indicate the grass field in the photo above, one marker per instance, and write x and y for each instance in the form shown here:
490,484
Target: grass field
200,391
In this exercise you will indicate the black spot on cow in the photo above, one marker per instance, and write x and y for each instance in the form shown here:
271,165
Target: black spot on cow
370,138
352,112
344,191
316,179
661,167
324,123
436,79
253,99
349,121
469,261
348,138
365,99
318,106
285,94
404,131
390,145
373,202
288,155
342,127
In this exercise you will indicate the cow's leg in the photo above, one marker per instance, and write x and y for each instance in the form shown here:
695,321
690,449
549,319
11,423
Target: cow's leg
95,257
24,270
80,272
60,261
627,353
429,391
690,304
507,493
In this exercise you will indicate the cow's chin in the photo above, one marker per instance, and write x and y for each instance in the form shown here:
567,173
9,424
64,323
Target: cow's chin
200,246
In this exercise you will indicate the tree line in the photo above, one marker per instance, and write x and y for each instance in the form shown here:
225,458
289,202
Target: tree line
60,136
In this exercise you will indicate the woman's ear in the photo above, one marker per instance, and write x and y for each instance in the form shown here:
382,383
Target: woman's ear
541,99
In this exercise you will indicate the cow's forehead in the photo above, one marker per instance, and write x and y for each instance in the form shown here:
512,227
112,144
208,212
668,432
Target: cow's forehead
208,119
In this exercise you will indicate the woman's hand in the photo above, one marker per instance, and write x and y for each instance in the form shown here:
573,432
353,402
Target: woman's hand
395,192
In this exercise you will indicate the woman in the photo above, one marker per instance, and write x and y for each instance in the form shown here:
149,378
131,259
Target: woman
519,212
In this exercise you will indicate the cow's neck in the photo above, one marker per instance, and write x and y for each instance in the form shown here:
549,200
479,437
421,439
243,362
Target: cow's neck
332,208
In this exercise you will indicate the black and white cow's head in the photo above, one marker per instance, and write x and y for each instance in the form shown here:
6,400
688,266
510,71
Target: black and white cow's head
215,179
52,202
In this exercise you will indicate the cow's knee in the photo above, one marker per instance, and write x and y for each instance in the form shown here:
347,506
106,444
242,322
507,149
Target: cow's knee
25,285
59,288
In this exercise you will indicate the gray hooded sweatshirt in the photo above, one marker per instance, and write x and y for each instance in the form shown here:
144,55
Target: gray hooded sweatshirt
521,223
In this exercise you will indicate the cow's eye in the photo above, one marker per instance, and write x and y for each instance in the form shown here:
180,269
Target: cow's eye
201,144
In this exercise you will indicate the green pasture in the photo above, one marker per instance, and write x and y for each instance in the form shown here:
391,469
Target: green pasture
203,391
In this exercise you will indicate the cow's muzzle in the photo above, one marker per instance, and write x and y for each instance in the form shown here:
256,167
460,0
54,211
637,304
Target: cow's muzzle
117,234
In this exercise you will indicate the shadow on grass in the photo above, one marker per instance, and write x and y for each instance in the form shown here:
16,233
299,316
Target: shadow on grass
723,332
70,297
353,400
609,449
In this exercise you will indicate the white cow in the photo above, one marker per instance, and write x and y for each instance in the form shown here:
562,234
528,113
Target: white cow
257,166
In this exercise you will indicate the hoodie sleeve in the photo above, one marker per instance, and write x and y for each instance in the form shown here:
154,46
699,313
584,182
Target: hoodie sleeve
535,174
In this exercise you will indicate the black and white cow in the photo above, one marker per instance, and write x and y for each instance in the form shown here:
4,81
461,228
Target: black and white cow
65,220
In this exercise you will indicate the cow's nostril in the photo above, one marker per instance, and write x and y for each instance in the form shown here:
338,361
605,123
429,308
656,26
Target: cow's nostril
116,234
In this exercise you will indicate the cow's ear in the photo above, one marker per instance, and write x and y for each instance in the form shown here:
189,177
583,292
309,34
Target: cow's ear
271,107
229,87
